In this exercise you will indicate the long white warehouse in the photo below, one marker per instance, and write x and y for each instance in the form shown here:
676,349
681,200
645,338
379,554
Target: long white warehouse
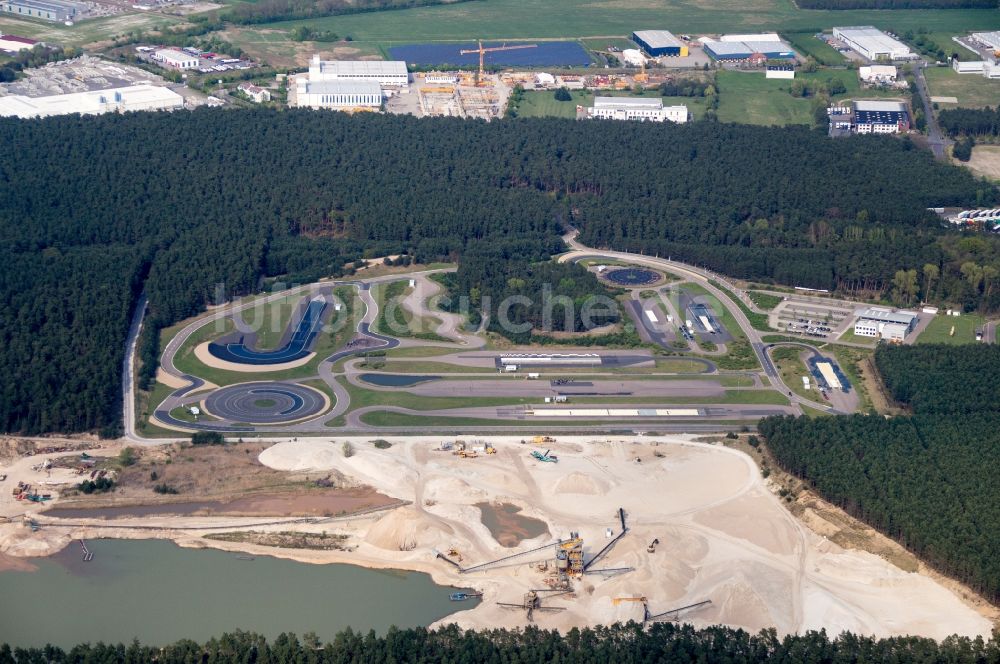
388,73
339,95
874,44
143,97
641,109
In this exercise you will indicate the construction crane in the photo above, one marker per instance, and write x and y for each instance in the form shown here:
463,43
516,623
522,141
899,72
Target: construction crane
482,51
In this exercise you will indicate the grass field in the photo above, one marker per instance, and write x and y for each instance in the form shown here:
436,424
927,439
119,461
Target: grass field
765,300
972,90
807,44
85,32
792,369
986,161
748,97
509,19
939,331
542,103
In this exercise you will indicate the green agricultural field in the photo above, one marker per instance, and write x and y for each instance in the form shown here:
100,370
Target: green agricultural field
806,43
749,98
542,103
86,32
939,331
972,90
512,19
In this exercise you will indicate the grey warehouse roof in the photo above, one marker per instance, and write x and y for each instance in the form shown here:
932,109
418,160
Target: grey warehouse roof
879,106
364,67
883,316
628,102
658,38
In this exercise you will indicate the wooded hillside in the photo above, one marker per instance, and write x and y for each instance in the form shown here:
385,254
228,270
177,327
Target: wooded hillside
928,481
190,206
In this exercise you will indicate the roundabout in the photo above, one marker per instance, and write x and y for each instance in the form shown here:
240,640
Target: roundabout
632,277
266,403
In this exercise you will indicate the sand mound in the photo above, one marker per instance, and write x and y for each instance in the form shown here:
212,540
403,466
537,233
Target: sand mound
303,455
577,482
404,529
453,490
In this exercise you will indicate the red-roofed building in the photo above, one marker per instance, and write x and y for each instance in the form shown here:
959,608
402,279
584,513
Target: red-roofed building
13,43
258,94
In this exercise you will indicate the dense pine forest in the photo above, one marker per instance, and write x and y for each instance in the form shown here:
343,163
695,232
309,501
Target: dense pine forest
970,121
194,206
664,643
928,481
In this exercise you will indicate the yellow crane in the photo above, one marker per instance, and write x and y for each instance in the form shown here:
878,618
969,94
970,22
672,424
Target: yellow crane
482,51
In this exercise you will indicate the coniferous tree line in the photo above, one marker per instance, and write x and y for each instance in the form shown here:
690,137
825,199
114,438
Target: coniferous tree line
662,643
970,121
202,206
927,480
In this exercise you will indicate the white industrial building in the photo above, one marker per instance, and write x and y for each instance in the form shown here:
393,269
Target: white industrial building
339,95
885,324
880,117
829,375
48,10
171,57
13,44
786,72
387,73
874,44
878,74
633,57
758,37
982,67
642,109
990,40
142,97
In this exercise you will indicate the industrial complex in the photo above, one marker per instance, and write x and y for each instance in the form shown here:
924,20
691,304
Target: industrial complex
659,42
641,109
48,10
874,44
767,46
88,86
879,323
113,100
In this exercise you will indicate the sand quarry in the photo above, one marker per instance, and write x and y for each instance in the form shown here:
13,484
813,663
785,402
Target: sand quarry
724,536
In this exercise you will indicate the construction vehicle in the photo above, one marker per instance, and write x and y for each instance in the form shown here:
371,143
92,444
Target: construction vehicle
492,49
618,600
540,440
652,546
467,454
490,449
546,457
453,552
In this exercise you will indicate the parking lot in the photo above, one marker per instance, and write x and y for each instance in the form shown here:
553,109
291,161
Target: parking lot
207,62
811,319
